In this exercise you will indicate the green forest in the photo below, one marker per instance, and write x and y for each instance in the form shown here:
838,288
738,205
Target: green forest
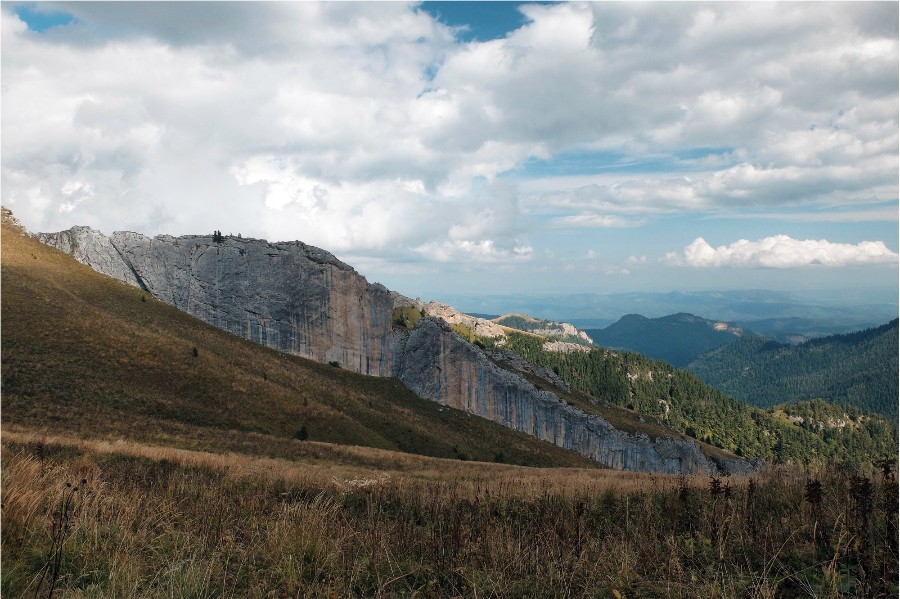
854,370
685,403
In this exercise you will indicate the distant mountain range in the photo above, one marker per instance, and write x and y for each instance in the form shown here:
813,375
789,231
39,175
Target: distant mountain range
787,317
857,369
678,338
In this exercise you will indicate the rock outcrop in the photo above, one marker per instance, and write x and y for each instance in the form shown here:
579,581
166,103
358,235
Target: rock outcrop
300,299
90,246
437,364
480,326
288,296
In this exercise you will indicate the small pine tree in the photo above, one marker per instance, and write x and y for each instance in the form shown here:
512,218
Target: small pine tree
302,434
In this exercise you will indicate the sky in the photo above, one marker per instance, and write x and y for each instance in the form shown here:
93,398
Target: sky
474,147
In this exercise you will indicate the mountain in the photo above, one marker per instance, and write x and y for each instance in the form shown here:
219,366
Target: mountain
678,338
856,369
303,302
804,432
774,313
86,355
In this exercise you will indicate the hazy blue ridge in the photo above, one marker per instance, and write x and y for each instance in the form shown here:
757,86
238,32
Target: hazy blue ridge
678,339
783,316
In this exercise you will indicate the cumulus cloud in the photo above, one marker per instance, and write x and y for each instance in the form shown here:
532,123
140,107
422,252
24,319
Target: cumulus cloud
463,251
368,129
781,251
797,107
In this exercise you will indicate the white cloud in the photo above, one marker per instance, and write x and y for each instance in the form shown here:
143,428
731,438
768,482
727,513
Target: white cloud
781,251
594,221
367,129
474,251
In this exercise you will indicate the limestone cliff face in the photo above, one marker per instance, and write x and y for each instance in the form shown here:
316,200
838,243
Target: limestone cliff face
288,296
93,248
437,364
300,299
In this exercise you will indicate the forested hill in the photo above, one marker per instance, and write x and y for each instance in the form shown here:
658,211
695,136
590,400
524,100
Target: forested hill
680,400
678,338
856,369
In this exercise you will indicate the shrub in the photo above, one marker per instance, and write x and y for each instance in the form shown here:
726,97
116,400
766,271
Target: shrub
406,316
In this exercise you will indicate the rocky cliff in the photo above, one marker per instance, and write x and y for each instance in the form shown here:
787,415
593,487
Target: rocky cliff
437,364
93,248
288,296
300,299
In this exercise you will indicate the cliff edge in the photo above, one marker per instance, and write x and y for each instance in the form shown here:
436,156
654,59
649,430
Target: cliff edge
300,299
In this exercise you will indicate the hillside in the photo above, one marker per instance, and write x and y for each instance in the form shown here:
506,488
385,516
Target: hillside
86,355
301,300
557,331
678,338
857,369
680,400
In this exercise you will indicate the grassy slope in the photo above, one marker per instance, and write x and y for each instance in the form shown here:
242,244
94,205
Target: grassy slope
92,519
84,354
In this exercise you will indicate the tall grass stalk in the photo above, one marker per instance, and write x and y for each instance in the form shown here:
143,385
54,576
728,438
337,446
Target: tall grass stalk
152,523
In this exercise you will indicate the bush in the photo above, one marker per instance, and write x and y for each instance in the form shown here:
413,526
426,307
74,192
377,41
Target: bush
407,316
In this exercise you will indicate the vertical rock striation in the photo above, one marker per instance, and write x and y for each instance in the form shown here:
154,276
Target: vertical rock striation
300,299
288,296
439,365
93,248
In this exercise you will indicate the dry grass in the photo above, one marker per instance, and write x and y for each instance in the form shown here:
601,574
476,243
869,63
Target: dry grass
335,467
145,521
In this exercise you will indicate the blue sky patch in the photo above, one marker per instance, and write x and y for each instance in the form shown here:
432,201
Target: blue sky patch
41,19
589,162
482,21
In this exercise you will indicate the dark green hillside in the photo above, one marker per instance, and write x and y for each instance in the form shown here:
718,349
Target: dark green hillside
857,369
678,338
685,403
85,355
